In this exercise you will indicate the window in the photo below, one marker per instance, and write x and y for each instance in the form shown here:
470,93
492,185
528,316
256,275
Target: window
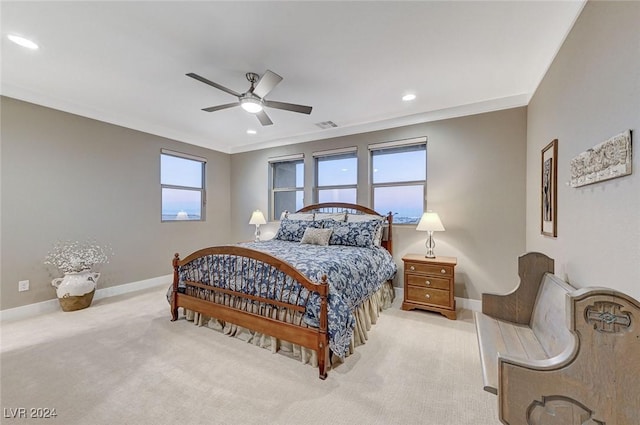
287,185
337,175
398,178
182,183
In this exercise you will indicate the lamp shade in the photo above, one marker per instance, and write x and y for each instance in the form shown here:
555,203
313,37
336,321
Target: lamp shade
430,222
257,218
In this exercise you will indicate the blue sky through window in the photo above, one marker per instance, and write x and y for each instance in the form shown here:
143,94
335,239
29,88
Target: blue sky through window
181,202
180,171
337,170
406,201
392,167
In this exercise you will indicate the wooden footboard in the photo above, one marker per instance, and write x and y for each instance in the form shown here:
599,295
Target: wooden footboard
255,290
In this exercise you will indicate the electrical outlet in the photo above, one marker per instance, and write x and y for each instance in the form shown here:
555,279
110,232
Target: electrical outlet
23,285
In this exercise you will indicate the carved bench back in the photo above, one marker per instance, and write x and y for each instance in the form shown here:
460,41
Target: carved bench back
549,317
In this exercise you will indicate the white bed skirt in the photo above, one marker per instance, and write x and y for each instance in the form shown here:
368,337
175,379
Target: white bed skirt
366,315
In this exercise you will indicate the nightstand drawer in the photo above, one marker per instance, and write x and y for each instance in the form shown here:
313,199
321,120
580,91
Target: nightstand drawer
427,281
429,296
437,269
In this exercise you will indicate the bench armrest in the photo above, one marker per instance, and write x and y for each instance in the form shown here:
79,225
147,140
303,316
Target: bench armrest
517,306
506,361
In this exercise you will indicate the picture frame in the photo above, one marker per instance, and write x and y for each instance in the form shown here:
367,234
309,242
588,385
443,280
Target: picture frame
549,190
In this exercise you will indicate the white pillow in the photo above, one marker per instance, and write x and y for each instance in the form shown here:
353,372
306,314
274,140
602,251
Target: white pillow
331,216
300,216
354,218
316,236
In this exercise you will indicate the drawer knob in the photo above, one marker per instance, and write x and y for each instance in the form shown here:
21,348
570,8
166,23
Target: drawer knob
428,296
428,282
412,268
443,271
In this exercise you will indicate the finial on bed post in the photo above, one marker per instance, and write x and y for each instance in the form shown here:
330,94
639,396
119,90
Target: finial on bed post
174,290
323,344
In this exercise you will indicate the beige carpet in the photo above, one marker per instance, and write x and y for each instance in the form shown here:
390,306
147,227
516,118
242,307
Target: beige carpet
123,362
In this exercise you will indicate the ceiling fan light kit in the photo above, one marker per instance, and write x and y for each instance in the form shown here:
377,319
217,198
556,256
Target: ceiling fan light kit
253,100
251,105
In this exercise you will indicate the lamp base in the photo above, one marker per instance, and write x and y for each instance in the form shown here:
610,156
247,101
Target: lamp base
430,244
257,234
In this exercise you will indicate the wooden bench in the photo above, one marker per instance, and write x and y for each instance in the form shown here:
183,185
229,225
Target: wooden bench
559,356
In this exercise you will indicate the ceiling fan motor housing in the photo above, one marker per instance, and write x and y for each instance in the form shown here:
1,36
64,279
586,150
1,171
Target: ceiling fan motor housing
252,77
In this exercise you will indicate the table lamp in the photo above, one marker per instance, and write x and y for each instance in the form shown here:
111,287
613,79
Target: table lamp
257,218
430,222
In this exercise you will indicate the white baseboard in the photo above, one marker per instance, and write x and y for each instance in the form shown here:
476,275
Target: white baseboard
49,306
466,303
469,304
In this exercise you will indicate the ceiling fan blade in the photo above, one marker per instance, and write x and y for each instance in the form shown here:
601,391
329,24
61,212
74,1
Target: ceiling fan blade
264,118
288,106
211,83
266,83
220,107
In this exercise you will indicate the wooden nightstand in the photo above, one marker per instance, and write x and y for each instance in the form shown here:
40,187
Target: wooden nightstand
428,284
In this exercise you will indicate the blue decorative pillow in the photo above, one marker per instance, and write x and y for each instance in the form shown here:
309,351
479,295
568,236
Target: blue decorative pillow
382,231
293,230
354,234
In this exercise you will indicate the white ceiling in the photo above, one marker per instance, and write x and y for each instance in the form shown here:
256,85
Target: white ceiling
125,62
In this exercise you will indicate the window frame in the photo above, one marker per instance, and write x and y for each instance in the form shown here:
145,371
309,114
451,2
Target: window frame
202,190
343,153
419,141
273,162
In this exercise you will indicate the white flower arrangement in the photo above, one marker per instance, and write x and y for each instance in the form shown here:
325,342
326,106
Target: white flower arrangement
74,257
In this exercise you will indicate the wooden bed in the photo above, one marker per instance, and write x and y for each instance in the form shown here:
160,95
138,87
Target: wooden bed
269,310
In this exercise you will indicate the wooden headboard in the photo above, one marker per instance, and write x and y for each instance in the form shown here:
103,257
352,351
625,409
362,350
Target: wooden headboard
330,207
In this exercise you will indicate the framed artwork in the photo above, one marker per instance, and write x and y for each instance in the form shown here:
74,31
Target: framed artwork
549,190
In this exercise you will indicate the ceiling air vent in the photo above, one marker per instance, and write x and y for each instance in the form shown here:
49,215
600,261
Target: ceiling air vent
326,124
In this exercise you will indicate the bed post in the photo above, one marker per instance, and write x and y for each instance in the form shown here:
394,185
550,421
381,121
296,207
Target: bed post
174,289
389,238
323,343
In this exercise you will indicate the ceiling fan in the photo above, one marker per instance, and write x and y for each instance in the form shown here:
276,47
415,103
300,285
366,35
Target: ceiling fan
253,99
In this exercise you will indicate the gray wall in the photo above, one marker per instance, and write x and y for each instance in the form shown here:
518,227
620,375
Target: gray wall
475,181
66,177
590,93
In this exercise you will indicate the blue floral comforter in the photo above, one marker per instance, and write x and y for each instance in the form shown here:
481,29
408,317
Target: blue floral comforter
353,273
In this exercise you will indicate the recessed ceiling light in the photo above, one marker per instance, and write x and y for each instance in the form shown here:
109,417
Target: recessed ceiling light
23,41
408,97
326,124
251,132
